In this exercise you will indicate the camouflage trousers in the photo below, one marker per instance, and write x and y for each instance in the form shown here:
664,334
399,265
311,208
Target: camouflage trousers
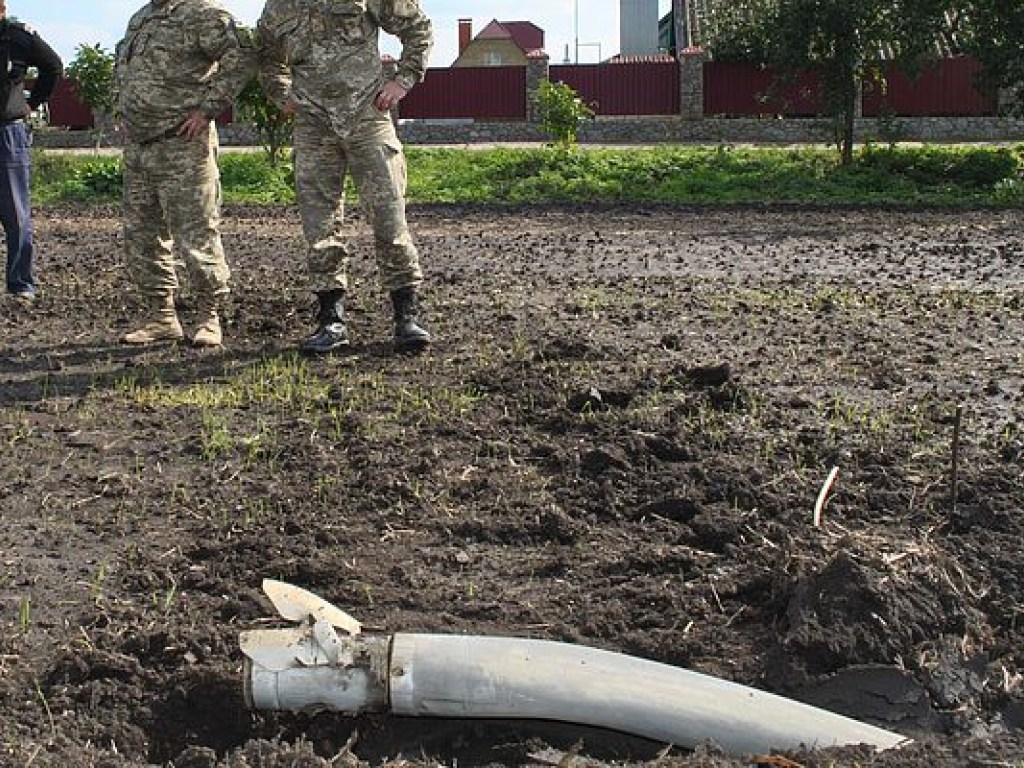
171,210
372,154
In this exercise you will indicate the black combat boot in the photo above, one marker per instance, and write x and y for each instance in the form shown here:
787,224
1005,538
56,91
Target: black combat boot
330,333
409,334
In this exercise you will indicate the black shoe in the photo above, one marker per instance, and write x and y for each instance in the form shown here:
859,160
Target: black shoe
409,334
331,333
326,338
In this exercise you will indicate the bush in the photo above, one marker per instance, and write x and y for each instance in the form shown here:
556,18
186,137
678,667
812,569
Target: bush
101,179
64,177
562,112
977,168
254,177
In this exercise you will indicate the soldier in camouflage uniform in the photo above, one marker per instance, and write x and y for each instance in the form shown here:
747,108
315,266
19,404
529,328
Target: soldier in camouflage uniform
180,64
319,59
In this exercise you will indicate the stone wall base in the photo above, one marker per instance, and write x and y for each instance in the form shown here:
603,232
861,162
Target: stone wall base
677,130
647,130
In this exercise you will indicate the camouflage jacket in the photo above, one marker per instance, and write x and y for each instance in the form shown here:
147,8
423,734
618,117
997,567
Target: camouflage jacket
324,54
178,56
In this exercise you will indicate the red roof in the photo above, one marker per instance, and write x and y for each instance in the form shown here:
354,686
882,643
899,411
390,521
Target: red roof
525,34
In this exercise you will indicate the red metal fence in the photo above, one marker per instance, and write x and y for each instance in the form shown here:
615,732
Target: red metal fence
641,88
480,93
67,111
65,108
946,88
741,89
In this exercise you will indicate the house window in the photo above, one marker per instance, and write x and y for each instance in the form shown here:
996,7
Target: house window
492,59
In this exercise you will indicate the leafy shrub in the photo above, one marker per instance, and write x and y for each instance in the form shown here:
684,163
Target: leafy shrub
273,126
103,178
92,72
1009,192
93,180
253,177
562,112
978,168
51,167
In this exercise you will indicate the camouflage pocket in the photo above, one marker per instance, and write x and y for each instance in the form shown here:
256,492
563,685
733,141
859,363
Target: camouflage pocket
163,44
348,22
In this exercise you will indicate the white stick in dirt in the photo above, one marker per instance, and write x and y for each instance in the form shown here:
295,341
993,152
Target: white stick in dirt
819,505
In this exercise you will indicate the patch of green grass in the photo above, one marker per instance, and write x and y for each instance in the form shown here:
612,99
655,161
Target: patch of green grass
239,414
892,175
707,175
282,381
248,177
59,177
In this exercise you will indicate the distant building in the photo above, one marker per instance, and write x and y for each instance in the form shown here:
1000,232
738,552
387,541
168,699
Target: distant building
667,33
499,44
638,27
677,24
696,22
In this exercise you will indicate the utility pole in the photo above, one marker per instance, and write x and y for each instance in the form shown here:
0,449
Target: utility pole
576,35
576,28
681,26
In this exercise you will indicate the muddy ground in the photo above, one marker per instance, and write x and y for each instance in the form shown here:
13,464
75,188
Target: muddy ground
617,440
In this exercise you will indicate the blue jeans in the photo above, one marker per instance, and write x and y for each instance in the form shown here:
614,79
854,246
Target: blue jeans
15,210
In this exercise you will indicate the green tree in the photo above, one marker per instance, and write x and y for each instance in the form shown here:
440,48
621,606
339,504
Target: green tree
845,41
992,31
273,127
738,29
92,71
562,112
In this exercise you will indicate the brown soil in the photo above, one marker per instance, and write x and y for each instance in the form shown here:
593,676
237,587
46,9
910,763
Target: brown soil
617,440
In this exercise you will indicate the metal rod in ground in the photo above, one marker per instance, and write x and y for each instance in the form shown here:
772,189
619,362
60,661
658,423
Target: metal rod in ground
954,480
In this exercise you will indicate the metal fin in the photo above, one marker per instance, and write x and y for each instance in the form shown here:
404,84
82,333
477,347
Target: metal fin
278,649
333,647
297,604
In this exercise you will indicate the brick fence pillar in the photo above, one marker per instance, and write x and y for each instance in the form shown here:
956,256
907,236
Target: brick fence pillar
691,83
537,69
1007,101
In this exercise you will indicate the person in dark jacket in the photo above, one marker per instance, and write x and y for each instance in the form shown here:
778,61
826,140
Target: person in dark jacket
20,48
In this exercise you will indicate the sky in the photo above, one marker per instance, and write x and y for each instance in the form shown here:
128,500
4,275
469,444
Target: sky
66,24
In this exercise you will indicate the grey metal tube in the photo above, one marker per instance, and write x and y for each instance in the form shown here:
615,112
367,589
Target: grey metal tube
284,670
485,677
338,689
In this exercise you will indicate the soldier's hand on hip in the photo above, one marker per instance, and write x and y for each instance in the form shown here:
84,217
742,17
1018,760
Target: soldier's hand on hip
390,94
195,125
